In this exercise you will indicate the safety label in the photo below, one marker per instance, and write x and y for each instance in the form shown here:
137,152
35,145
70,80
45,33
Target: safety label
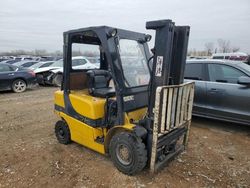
159,63
128,98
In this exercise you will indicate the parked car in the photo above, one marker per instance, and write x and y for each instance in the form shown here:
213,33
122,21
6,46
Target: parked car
248,60
3,59
222,89
236,56
48,58
94,60
52,75
15,78
23,58
41,64
25,63
11,61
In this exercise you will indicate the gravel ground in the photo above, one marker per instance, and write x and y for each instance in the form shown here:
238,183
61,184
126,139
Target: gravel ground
218,154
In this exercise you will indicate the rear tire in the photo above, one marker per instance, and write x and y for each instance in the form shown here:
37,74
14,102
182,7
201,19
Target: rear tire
19,86
62,132
128,153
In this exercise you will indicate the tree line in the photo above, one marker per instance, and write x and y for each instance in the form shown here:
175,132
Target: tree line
223,46
43,52
36,52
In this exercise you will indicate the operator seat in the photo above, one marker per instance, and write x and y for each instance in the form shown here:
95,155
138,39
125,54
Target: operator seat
99,83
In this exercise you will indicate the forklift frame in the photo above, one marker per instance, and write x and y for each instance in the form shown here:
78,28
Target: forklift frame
168,100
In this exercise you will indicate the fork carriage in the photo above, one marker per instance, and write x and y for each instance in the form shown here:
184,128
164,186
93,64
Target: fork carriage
172,119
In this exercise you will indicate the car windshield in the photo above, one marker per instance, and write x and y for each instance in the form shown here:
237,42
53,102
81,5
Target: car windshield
29,64
36,65
58,63
134,63
15,67
47,64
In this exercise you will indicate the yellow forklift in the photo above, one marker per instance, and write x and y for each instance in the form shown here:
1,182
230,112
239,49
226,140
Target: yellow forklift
134,107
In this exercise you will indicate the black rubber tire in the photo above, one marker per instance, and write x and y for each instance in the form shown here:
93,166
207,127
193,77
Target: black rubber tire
19,86
62,132
136,148
57,80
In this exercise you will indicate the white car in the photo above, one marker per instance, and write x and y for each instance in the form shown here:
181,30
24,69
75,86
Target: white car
56,65
41,64
78,62
52,74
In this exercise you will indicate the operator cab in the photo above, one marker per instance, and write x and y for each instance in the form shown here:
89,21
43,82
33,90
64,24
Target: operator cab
126,53
122,70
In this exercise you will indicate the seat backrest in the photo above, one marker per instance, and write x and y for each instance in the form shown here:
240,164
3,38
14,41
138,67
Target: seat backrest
98,78
100,81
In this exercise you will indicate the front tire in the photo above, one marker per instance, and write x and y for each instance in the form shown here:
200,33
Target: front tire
62,132
128,153
19,86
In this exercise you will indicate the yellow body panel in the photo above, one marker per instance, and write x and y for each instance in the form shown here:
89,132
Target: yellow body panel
126,126
59,98
83,134
86,105
93,108
135,115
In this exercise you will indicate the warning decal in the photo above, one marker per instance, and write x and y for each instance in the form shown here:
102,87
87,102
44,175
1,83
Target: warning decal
159,63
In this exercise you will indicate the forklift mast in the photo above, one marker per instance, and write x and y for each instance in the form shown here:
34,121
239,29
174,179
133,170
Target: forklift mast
170,100
170,52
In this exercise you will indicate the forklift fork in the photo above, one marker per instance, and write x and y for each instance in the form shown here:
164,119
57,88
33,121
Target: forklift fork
172,119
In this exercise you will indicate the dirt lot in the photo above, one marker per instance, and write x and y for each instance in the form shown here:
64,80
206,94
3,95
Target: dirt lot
30,156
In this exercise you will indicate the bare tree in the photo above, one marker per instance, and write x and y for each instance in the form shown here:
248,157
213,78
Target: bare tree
37,52
224,45
235,49
192,52
77,53
57,53
209,47
40,52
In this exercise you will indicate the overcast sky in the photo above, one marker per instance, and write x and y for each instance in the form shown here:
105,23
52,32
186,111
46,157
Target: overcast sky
32,24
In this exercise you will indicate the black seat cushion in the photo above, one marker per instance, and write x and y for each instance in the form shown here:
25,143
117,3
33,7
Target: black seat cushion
104,92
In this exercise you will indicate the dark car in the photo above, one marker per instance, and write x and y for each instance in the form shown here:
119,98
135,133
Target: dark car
222,89
12,61
15,78
3,59
25,63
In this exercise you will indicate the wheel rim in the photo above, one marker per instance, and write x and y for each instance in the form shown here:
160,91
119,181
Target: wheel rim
19,86
61,133
123,154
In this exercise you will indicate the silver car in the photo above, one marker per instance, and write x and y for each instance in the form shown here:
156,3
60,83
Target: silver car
222,89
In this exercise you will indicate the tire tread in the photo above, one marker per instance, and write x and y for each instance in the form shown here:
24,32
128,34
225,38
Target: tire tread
140,150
